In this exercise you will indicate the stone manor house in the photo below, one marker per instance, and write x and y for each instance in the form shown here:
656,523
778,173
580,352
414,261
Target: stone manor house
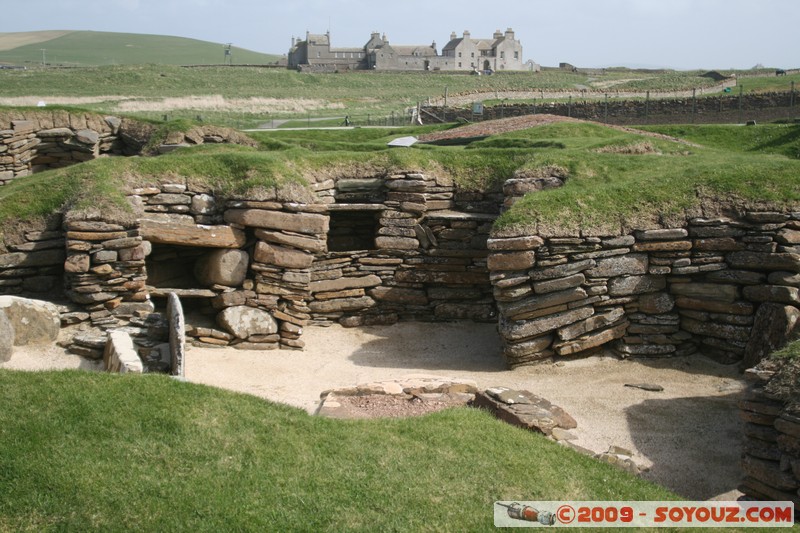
500,52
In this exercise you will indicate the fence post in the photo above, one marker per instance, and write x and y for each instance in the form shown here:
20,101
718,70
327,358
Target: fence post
534,106
647,107
741,89
569,107
694,104
605,112
791,98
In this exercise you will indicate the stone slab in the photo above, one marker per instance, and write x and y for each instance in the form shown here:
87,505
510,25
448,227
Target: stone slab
177,335
192,235
281,256
306,223
524,409
120,354
340,284
518,331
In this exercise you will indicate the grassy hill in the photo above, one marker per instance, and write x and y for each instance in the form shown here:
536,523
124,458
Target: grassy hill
92,48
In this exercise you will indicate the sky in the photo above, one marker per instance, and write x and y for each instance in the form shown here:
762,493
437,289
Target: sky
680,34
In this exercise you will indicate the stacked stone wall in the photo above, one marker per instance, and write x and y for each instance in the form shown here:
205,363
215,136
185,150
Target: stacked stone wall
34,141
40,141
426,260
655,292
771,451
709,109
726,286
105,268
36,264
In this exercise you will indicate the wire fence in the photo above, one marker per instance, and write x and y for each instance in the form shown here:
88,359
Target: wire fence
395,118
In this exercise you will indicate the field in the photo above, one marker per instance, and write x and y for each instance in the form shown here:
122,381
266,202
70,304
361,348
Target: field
250,97
93,48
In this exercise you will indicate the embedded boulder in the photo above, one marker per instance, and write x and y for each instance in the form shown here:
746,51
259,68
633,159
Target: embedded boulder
242,322
33,321
222,267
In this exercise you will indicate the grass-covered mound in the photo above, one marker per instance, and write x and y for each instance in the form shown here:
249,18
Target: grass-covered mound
615,185
85,451
617,179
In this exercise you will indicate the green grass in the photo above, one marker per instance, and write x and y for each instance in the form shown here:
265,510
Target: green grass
358,94
93,48
790,351
780,139
606,190
769,83
98,452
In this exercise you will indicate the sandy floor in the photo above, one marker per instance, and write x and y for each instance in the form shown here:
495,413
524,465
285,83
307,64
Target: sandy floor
688,435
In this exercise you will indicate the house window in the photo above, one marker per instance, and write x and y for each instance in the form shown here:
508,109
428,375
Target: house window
472,54
516,55
352,230
459,64
319,54
459,54
502,55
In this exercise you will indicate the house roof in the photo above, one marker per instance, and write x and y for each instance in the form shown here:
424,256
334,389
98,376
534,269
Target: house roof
453,44
318,39
421,50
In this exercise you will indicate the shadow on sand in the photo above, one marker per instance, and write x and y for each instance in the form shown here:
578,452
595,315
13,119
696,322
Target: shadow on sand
463,346
693,442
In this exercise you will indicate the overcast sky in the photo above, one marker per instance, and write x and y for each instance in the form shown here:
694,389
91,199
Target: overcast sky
683,34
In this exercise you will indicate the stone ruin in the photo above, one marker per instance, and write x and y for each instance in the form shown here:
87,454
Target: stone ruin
363,250
410,246
34,141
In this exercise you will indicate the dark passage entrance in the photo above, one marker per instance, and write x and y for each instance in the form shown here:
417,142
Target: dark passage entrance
352,230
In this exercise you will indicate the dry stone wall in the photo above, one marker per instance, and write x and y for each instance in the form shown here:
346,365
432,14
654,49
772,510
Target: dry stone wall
658,292
771,415
623,110
411,246
422,254
39,141
36,264
34,141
